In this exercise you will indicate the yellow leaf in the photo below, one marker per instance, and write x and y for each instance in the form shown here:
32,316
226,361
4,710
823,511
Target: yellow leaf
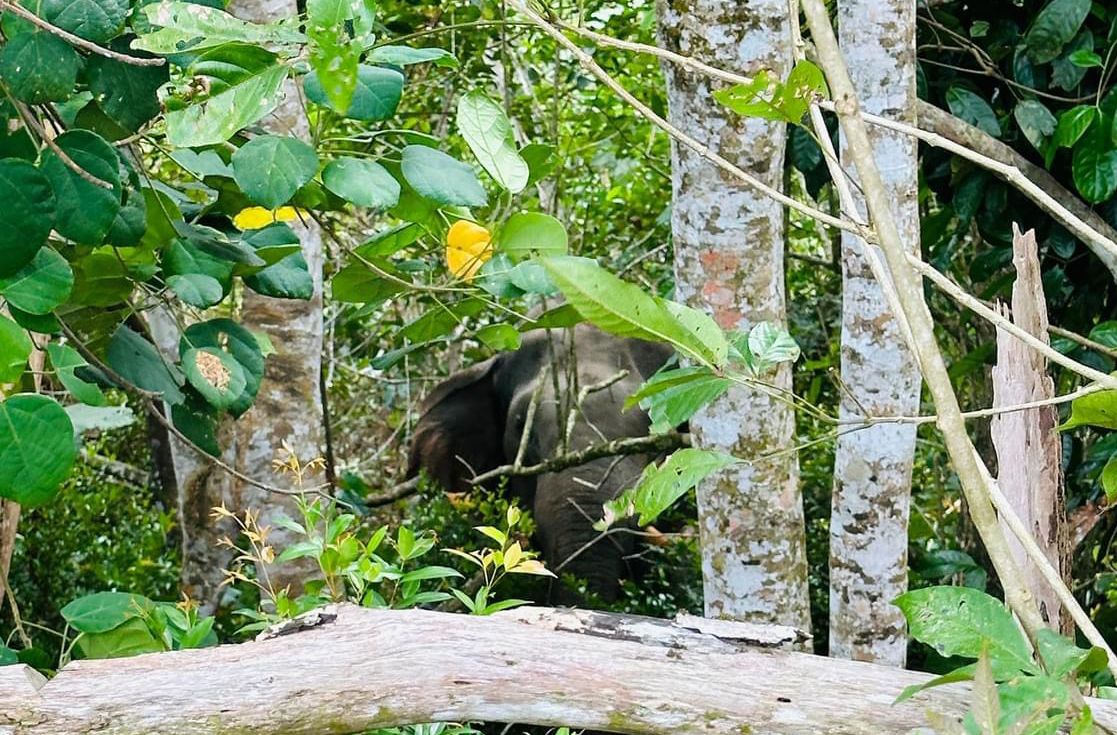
253,218
468,247
513,555
532,566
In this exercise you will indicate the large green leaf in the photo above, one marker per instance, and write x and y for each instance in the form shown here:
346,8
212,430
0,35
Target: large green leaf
672,397
358,284
769,345
126,92
486,129
1054,27
248,85
36,448
28,213
627,310
66,362
236,344
1094,409
1073,123
186,26
40,286
39,67
375,97
364,183
287,279
85,211
1036,121
94,20
659,487
973,109
196,289
215,374
139,362
1094,166
130,638
100,279
335,57
15,348
532,234
270,168
960,621
103,611
442,178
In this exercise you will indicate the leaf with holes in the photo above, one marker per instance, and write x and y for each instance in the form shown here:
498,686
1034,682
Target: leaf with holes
36,448
186,26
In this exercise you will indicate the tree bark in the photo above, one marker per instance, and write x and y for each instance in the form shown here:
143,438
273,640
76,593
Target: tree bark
288,407
1029,453
872,467
348,669
729,261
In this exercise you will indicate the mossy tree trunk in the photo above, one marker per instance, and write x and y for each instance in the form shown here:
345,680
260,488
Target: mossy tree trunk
729,261
288,407
872,467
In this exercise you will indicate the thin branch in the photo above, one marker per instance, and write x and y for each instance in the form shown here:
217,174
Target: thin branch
979,413
78,41
30,121
583,394
1084,341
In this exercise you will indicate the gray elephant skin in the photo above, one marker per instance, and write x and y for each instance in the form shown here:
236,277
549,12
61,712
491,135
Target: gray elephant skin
473,422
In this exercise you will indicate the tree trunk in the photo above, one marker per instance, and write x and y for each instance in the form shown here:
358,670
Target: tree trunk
872,466
729,261
1029,454
288,407
349,669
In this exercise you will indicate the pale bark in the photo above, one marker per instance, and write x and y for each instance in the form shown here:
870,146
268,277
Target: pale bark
1029,453
353,669
729,261
287,408
872,467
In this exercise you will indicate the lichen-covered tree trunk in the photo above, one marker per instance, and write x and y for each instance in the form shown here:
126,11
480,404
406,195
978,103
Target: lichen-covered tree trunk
287,409
729,261
872,466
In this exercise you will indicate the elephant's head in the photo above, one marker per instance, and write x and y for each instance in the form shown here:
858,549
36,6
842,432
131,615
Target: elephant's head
474,422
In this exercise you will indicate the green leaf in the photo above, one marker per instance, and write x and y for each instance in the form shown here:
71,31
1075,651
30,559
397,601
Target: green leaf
100,279
8,656
1094,166
659,487
335,59
959,621
531,277
499,337
672,397
130,638
196,289
36,448
103,611
41,285
406,56
247,85
186,26
289,278
1073,123
1085,58
540,161
771,345
138,361
1061,657
66,361
98,418
390,241
530,234
215,375
441,178
269,169
215,244
1065,74
495,277
361,182
94,20
757,98
973,109
197,420
1054,27
15,348
1040,702
85,211
1109,478
126,92
1036,121
39,67
375,97
357,284
627,310
238,343
28,214
488,133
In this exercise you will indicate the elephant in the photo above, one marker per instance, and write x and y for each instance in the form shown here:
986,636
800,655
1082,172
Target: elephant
474,422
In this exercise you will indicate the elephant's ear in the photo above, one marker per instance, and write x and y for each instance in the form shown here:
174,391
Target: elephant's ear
461,431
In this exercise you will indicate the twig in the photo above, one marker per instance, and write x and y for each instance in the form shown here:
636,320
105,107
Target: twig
1084,341
78,41
529,420
30,121
583,394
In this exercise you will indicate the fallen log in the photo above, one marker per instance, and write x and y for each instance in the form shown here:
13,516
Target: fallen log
347,669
